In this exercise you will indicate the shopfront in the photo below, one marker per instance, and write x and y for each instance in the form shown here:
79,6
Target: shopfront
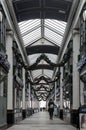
82,69
18,103
4,69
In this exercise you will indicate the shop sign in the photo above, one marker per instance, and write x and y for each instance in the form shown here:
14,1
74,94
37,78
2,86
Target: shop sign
82,109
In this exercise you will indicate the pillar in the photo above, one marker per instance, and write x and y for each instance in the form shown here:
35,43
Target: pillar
15,91
10,101
75,90
55,91
23,98
61,93
29,95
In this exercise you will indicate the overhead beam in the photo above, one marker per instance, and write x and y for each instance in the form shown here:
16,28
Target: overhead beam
42,28
42,66
42,49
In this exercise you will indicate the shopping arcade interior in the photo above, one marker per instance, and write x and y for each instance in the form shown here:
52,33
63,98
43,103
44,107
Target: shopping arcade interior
45,56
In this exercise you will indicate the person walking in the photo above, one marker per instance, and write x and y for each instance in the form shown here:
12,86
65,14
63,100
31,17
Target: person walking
51,108
83,121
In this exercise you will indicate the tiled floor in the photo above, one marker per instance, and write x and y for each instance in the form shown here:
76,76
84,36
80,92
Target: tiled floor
41,121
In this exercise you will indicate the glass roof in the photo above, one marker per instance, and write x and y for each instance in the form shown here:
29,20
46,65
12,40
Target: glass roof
42,32
32,30
42,35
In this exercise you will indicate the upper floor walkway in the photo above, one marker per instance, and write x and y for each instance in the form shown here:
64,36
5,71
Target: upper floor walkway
41,121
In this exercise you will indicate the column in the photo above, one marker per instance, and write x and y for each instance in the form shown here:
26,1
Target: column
29,95
55,91
61,93
23,97
15,102
75,90
10,93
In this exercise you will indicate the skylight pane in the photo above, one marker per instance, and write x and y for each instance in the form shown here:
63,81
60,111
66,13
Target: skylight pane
53,36
57,25
36,73
21,24
49,73
32,36
27,25
57,22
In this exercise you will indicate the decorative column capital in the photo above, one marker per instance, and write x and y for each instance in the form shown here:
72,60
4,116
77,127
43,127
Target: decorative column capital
76,31
9,32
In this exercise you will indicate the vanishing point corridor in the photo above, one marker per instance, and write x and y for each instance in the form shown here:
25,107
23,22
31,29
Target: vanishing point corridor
41,121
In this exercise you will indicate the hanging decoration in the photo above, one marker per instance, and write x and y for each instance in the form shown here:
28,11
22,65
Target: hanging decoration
37,82
43,87
45,58
19,57
42,57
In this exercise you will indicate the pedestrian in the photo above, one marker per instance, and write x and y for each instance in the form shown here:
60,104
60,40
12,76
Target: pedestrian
83,122
51,108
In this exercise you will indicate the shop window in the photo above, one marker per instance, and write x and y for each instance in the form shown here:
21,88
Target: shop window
2,31
20,72
82,37
84,89
3,83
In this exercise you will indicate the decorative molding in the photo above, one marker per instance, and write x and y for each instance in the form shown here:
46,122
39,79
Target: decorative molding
10,32
4,62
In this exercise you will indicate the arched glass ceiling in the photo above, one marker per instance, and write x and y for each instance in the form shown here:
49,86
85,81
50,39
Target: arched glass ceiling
33,30
42,28
42,32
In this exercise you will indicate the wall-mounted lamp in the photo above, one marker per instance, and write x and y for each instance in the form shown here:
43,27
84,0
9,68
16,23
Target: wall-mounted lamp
84,15
67,92
1,16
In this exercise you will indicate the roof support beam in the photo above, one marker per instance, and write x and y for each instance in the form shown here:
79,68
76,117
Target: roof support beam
42,28
42,66
42,49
